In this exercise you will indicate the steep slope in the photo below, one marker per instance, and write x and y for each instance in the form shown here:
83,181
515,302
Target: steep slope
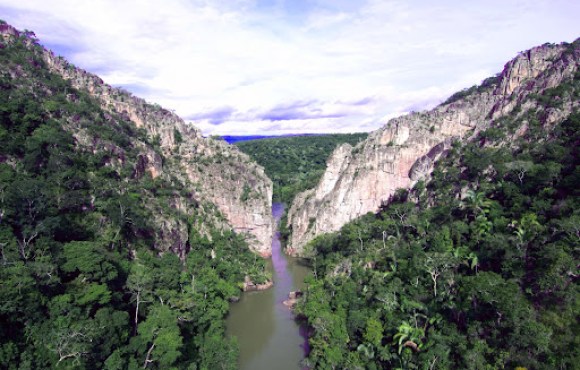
358,180
113,252
217,173
476,268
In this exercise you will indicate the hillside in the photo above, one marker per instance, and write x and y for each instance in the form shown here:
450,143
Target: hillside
359,179
122,230
166,147
295,163
477,265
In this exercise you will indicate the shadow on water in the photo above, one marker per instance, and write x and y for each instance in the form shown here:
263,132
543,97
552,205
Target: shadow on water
268,335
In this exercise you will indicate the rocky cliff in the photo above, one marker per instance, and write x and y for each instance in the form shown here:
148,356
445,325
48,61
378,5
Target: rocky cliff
216,173
358,180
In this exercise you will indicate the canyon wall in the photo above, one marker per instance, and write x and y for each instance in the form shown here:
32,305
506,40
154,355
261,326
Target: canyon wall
217,173
359,179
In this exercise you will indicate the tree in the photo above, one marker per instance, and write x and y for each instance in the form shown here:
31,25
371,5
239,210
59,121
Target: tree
409,336
139,283
526,228
216,353
88,260
436,264
519,169
477,202
374,332
160,334
30,207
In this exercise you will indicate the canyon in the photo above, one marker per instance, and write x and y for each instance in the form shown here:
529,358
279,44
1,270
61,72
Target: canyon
130,240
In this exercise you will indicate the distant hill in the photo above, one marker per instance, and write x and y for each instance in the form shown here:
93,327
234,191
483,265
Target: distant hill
236,139
295,162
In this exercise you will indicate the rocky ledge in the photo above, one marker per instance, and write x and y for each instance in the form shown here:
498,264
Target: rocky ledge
292,299
250,286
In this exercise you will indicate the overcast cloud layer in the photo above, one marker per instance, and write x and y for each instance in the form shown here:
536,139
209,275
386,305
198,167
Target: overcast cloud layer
293,66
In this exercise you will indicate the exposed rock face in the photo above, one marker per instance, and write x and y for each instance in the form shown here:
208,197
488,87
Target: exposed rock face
250,286
217,172
293,298
359,179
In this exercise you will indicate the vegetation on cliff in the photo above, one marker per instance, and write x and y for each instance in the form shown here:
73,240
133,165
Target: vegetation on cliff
475,269
83,281
295,163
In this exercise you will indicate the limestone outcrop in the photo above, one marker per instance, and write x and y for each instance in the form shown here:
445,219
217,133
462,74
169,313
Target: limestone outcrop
217,173
293,298
250,286
358,180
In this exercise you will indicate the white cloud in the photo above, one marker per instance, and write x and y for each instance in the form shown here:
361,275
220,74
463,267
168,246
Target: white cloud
242,59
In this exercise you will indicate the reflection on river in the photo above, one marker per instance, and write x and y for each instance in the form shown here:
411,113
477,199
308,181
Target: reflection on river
268,336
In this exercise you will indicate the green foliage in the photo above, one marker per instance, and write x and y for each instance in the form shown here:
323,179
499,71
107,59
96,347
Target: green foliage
554,97
161,335
246,192
476,269
82,283
486,84
295,163
177,136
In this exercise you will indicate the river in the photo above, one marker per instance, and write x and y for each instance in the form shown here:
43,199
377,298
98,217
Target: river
268,336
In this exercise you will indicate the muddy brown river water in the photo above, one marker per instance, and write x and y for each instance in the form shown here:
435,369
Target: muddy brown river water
268,336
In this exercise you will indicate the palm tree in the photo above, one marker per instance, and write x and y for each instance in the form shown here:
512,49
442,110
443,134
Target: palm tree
477,202
409,336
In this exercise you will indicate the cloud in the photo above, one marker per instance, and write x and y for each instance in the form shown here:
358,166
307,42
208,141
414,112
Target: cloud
246,66
361,102
214,116
299,110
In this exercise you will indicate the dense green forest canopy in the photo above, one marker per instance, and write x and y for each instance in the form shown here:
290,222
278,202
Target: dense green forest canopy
475,269
81,283
295,163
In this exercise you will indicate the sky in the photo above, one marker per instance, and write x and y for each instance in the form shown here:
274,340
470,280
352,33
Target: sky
271,67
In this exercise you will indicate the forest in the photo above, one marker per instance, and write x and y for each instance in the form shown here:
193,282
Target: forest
295,163
476,268
82,285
